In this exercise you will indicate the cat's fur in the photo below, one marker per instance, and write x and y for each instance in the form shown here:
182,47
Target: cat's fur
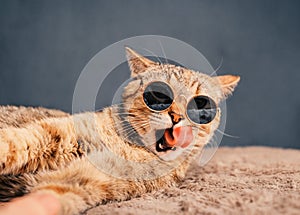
91,158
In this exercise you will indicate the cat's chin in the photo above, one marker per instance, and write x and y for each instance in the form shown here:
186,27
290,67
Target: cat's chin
172,154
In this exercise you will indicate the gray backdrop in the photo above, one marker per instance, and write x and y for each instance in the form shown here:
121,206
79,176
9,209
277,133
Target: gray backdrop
44,45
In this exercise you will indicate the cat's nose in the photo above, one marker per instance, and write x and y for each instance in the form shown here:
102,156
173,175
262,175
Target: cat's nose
175,117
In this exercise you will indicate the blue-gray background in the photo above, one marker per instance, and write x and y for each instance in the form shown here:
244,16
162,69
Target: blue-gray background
44,45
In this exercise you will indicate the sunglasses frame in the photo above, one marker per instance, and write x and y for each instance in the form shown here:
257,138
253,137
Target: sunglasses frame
198,95
159,111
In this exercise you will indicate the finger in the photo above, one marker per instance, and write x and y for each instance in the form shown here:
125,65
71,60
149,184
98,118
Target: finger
36,204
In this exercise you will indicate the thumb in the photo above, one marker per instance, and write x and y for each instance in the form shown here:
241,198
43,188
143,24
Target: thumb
48,202
34,204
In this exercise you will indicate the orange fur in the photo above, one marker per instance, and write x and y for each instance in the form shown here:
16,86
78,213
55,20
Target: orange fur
92,158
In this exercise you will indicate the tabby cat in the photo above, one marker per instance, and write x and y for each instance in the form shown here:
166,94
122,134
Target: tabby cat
145,143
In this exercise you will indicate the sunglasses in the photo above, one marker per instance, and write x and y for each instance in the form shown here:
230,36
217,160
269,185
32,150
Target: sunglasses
158,96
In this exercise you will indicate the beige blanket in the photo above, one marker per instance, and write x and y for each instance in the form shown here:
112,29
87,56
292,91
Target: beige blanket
250,180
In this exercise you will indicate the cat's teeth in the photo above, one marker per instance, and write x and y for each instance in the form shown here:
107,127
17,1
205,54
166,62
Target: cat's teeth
160,146
173,148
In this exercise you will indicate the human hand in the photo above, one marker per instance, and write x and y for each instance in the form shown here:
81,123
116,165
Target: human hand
33,204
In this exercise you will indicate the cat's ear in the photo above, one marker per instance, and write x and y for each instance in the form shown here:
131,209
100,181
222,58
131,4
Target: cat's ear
228,83
137,63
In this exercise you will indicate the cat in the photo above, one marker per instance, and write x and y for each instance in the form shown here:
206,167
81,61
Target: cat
168,114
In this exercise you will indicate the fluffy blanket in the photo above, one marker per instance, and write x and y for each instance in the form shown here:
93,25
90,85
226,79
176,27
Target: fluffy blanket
250,180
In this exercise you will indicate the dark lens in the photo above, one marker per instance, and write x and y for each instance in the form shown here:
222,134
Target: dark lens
201,109
158,96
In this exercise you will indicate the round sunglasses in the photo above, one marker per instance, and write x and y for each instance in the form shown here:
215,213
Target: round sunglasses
158,96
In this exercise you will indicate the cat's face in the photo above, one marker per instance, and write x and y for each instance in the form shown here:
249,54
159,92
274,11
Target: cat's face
172,109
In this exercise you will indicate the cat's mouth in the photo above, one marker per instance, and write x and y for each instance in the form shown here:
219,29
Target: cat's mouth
171,138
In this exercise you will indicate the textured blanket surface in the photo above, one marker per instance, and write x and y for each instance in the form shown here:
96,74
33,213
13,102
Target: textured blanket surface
250,180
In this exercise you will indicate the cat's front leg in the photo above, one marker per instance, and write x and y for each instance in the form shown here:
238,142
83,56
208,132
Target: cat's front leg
81,186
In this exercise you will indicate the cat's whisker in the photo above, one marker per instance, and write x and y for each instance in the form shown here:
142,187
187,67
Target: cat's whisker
130,126
124,108
119,105
153,55
217,69
214,72
126,133
159,123
225,134
112,106
134,131
133,116
139,124
125,130
127,114
219,66
163,51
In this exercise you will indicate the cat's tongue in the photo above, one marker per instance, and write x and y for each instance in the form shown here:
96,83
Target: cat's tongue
181,136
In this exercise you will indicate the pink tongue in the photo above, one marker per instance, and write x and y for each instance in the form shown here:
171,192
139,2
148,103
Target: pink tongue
181,136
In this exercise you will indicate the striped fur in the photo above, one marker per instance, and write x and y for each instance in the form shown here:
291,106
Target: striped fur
92,158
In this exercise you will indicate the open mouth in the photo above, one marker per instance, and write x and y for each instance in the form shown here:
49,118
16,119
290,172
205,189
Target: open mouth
161,143
169,139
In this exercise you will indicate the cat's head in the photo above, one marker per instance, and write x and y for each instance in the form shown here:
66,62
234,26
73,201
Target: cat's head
169,109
